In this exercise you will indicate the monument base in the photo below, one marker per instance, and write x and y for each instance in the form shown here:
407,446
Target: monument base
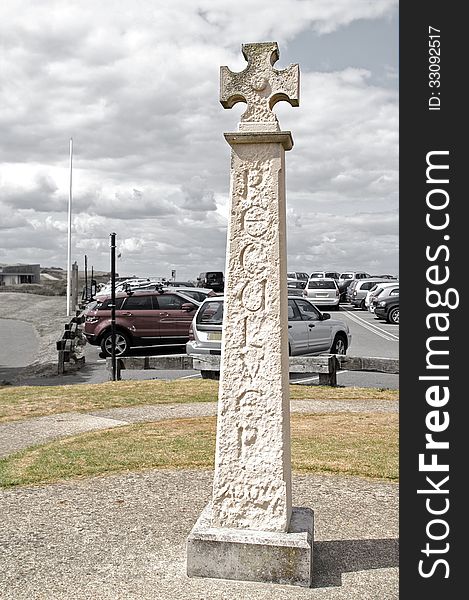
248,555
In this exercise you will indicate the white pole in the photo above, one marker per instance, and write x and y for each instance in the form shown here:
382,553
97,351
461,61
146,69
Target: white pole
69,245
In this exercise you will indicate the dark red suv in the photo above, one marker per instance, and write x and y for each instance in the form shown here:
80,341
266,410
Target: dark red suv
143,318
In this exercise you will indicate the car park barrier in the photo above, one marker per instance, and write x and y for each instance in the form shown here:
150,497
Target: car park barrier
67,346
326,366
170,362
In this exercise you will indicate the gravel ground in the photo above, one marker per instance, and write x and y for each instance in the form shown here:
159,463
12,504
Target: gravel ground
123,538
48,315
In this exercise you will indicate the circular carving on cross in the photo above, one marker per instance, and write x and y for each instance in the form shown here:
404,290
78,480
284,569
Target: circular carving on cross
259,83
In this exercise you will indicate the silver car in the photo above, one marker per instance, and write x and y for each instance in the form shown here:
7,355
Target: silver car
321,274
323,292
357,294
309,330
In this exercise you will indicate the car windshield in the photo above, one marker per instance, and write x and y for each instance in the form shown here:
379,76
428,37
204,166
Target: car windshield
211,313
346,276
316,275
321,285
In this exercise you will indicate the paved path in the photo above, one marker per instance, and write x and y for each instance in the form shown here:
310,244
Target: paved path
21,434
123,537
20,343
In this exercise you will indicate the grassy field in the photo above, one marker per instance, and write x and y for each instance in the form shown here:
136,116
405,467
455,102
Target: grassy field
24,402
362,444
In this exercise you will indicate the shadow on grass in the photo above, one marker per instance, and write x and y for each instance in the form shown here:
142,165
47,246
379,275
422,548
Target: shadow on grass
333,558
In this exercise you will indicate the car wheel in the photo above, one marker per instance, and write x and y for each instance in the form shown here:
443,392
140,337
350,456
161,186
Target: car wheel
122,344
393,316
210,374
340,345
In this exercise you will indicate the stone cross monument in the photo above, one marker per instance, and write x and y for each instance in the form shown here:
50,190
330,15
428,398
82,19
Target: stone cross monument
249,531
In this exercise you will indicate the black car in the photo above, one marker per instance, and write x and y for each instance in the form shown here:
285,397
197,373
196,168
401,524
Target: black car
343,285
215,280
388,309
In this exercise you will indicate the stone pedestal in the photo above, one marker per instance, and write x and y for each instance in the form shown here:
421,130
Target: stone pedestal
248,555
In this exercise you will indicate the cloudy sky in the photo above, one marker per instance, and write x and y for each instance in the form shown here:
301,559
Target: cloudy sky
135,83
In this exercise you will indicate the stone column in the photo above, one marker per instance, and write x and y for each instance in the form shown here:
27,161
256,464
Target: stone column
252,484
250,530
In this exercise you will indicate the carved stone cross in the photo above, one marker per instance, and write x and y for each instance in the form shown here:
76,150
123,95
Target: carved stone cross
250,530
260,86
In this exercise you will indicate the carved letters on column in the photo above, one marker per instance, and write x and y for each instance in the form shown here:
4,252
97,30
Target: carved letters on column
252,482
254,224
254,218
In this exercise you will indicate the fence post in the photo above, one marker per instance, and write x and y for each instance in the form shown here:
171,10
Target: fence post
60,364
330,378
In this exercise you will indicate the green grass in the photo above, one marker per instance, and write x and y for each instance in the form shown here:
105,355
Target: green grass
359,444
24,402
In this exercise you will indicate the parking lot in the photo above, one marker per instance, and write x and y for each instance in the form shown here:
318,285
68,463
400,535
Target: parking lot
370,337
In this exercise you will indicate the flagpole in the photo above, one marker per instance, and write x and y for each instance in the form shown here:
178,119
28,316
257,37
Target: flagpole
69,245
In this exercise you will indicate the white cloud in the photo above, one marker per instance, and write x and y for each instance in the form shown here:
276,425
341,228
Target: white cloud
136,86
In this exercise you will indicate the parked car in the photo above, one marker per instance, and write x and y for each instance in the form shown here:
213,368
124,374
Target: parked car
384,290
323,292
375,290
294,287
322,274
349,289
298,276
369,295
357,291
214,280
328,335
143,318
346,279
353,275
178,283
388,309
343,286
130,283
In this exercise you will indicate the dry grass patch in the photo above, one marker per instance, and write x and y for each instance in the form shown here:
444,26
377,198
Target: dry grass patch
24,402
347,443
32,401
342,444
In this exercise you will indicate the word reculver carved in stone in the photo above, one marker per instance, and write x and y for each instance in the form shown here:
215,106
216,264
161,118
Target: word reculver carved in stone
250,531
260,86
